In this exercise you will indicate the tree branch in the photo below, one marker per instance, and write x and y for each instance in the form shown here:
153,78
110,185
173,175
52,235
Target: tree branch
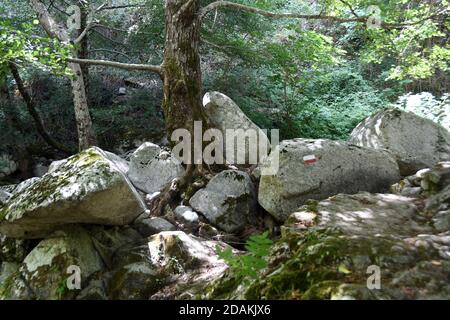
124,6
84,33
220,3
119,65
34,114
110,51
51,27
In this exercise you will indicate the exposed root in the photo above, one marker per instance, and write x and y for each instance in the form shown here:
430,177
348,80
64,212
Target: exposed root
193,180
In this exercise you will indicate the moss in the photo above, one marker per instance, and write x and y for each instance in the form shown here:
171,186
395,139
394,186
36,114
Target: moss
318,262
321,290
47,189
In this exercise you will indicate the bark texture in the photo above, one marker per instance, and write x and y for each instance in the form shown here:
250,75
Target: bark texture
181,68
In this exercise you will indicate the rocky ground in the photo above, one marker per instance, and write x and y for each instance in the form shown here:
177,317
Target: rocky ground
336,221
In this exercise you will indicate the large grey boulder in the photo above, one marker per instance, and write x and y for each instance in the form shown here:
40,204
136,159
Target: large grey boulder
90,187
362,246
135,281
191,261
46,269
416,142
228,201
151,225
4,197
317,169
152,168
225,114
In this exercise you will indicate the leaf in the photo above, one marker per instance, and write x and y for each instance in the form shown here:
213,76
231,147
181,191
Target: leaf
343,269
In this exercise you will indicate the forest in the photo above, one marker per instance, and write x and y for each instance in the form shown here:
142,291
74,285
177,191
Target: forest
216,150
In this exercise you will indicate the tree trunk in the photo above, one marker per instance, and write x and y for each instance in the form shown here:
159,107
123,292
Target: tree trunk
86,135
182,103
83,52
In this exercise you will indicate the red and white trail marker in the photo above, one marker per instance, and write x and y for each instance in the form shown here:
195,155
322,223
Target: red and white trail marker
309,159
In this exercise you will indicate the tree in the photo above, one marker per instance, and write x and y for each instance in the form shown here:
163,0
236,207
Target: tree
86,134
16,47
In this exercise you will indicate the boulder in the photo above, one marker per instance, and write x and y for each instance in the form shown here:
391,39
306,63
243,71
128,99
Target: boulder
7,269
95,290
135,281
151,225
361,246
45,271
152,168
39,170
108,241
4,197
224,114
317,169
89,187
228,201
24,185
416,142
186,215
192,262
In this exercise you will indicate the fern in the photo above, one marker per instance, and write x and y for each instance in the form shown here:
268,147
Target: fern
246,267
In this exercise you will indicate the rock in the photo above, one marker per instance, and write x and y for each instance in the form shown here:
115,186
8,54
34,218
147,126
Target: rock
172,265
193,262
96,290
355,214
44,272
136,281
122,91
152,168
330,249
9,188
425,182
90,187
335,167
24,185
7,165
108,241
441,221
416,142
39,170
224,115
228,201
149,226
186,215
7,269
13,250
4,197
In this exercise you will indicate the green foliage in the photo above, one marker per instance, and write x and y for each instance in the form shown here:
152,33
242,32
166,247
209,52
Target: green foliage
18,45
247,266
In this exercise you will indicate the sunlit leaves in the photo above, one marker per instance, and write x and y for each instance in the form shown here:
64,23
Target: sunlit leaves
19,45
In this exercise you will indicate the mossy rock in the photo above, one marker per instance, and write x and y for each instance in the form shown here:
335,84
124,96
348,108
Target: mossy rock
90,187
44,272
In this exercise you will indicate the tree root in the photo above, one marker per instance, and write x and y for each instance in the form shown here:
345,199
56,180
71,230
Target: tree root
194,179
